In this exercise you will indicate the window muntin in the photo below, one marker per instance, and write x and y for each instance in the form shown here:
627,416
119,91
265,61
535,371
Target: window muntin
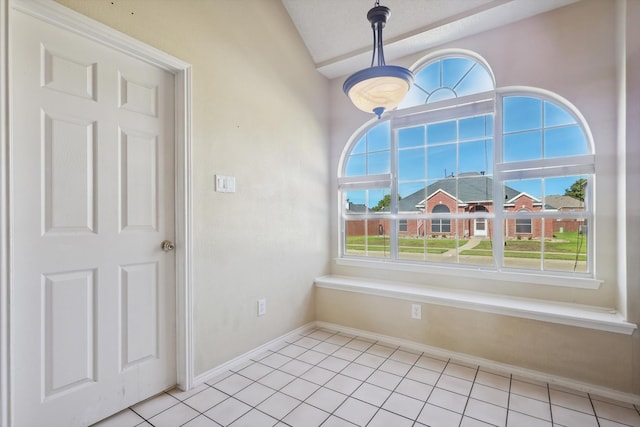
450,159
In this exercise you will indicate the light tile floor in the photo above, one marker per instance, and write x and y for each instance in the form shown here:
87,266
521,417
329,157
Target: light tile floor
326,378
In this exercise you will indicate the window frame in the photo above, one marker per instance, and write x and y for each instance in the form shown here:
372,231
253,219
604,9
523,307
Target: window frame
490,102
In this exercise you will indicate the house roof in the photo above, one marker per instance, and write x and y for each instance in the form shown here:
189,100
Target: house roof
474,188
559,202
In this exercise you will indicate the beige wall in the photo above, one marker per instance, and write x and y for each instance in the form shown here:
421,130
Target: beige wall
571,51
259,113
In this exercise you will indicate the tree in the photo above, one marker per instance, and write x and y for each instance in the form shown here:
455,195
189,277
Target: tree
577,189
384,203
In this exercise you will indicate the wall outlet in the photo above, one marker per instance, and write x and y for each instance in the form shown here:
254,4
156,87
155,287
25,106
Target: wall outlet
262,306
416,311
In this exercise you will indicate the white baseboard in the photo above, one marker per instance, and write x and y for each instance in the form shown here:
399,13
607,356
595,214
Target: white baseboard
490,364
236,361
462,357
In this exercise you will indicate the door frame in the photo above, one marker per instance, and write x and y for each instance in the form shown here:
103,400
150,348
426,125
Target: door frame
59,15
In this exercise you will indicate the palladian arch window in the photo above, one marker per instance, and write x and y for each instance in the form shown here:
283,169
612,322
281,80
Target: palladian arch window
462,170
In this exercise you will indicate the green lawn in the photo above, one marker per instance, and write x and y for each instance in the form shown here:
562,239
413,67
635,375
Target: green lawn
564,246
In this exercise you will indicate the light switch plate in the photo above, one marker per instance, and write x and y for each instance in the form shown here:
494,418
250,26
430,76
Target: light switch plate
225,184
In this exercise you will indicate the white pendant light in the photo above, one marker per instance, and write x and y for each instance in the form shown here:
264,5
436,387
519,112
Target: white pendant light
381,87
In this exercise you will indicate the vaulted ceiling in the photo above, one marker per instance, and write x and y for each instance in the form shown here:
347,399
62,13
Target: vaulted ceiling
339,37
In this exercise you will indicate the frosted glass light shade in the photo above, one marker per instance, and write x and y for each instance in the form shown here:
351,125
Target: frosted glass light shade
378,89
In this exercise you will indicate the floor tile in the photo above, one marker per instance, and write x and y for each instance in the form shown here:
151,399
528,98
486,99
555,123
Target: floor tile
278,405
448,399
490,395
333,363
431,363
370,360
358,344
254,418
154,406
432,415
201,421
530,390
414,389
403,405
381,350
570,418
276,379
334,421
343,384
295,367
254,394
529,406
483,411
206,399
174,416
616,413
384,380
460,371
423,375
356,411
347,353
312,357
126,418
384,418
571,401
299,389
405,357
357,371
517,419
318,375
371,394
305,416
454,384
228,411
327,400
331,379
395,367
493,380
256,371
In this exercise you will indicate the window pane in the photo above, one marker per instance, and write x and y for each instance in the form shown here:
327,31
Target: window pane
519,251
476,156
479,249
379,138
411,164
474,127
566,193
361,146
564,141
556,116
411,137
454,70
522,113
429,78
567,251
523,194
478,80
378,163
355,202
357,165
442,192
441,161
411,195
439,133
522,146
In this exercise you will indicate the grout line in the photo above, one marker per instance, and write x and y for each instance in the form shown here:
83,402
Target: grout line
595,414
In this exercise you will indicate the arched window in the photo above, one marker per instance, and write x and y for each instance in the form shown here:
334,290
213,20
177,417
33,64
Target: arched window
440,225
458,141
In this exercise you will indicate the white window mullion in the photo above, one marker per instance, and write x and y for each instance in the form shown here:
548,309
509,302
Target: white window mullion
498,181
393,223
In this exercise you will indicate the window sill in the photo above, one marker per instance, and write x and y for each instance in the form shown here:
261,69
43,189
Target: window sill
567,281
583,316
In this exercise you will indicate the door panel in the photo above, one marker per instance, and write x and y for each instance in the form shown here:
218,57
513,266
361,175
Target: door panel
92,175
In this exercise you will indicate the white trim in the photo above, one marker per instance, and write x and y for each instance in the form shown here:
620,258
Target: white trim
584,316
4,216
64,17
245,357
487,363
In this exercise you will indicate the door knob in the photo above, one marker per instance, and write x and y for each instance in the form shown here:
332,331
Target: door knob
167,245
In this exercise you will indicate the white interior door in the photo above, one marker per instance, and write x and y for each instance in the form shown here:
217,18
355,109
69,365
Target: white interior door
92,198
